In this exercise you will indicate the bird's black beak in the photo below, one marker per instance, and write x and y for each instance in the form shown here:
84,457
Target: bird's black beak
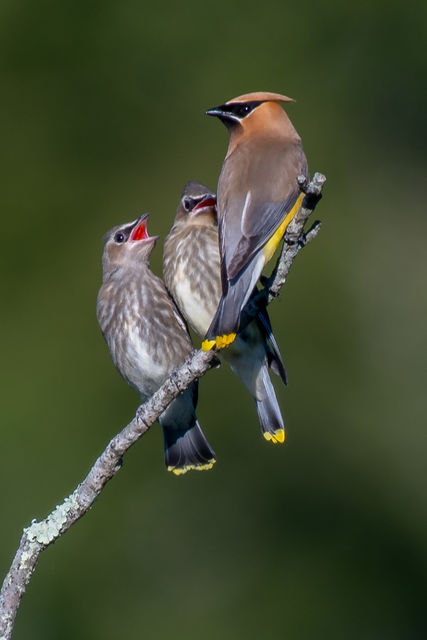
216,111
223,113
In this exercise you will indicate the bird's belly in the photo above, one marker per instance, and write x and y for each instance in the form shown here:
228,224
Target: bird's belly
197,309
144,369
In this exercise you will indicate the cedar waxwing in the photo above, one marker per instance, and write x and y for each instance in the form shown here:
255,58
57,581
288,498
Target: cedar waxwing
191,270
147,338
258,195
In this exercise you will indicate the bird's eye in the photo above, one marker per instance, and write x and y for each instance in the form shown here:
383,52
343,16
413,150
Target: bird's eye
188,204
244,110
119,237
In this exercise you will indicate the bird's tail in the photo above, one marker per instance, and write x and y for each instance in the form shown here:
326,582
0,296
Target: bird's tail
270,418
249,358
187,449
226,321
225,324
186,446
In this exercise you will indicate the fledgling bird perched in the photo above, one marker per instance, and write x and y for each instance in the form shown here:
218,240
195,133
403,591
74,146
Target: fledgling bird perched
147,338
191,270
258,195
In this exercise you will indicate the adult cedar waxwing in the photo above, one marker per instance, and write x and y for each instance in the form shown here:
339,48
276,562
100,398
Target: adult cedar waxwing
191,270
258,195
147,338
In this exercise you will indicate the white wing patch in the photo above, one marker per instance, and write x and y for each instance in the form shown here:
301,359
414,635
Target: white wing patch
257,266
244,222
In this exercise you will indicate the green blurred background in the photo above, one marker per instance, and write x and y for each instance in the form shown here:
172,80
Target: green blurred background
102,118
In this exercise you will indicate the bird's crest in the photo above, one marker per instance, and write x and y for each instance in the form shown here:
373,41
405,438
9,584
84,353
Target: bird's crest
261,96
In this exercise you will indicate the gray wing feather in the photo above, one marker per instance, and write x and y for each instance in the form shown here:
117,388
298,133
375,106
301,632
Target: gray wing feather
266,191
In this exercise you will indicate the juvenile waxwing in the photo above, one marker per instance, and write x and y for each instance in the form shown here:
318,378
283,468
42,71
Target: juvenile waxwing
258,195
191,270
147,338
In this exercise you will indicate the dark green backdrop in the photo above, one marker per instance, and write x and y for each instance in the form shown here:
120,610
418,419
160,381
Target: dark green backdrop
102,118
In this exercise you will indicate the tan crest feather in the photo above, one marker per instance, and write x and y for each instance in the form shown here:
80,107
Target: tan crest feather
264,96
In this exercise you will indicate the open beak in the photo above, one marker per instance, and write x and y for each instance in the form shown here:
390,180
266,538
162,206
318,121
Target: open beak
140,231
208,202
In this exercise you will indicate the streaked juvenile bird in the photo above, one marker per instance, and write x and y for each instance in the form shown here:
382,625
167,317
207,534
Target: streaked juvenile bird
258,195
147,338
191,270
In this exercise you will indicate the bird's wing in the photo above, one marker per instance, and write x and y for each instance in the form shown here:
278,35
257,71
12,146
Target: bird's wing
260,190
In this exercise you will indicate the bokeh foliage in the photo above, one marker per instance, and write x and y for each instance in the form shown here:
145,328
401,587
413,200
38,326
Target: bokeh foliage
102,118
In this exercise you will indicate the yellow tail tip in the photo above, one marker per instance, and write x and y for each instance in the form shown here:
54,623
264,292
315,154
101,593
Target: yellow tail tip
276,437
208,344
225,340
179,471
220,342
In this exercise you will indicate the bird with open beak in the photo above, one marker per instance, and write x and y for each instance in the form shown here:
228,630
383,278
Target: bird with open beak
147,338
191,270
258,195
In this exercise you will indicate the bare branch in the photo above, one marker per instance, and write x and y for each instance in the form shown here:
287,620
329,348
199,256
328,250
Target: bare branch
39,535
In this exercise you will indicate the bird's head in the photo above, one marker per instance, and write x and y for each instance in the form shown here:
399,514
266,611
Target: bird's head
257,112
127,244
197,205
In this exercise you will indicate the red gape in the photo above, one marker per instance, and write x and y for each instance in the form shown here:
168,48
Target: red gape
140,231
207,202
